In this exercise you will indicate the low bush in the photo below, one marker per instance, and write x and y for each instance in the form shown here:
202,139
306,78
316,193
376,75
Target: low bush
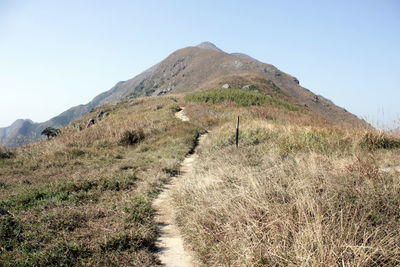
74,192
140,211
372,141
175,108
121,242
131,137
11,233
6,154
59,255
3,185
64,221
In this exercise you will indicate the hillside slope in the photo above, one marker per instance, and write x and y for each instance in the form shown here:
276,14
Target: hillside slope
298,191
186,70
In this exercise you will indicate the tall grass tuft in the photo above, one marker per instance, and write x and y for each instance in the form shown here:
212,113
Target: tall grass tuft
131,137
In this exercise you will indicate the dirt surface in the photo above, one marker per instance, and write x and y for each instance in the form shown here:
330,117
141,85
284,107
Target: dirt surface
172,252
181,115
391,169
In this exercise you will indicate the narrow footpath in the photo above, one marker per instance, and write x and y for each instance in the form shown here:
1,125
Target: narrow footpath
172,251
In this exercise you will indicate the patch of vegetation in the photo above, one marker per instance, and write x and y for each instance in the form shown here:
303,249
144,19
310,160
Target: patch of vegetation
65,221
373,141
251,87
131,137
175,108
6,154
74,192
171,171
59,255
271,85
3,185
133,242
11,233
50,132
75,153
140,211
286,140
118,183
238,96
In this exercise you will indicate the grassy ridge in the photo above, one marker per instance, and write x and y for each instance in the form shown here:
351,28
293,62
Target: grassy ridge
84,198
239,96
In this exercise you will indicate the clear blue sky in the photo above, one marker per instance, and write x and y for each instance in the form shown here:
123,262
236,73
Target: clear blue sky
57,54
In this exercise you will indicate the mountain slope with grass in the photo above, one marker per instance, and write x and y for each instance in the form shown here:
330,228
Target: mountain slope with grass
300,190
187,70
84,197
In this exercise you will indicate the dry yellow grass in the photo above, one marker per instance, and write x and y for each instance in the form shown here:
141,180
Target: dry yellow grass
292,194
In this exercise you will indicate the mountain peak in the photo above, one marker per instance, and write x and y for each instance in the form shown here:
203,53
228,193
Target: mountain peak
20,122
209,45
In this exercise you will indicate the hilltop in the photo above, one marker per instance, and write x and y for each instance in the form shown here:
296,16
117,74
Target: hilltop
190,69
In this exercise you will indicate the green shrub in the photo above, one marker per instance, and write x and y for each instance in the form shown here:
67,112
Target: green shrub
6,154
238,96
76,153
51,132
3,185
118,183
65,221
140,211
11,233
75,192
133,241
131,137
372,141
175,108
59,255
174,171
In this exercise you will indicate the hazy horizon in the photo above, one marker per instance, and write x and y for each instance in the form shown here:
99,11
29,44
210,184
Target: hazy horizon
56,55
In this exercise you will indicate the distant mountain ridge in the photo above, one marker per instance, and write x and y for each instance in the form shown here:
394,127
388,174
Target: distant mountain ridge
185,70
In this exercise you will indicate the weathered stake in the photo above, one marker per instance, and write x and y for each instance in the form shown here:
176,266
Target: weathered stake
237,132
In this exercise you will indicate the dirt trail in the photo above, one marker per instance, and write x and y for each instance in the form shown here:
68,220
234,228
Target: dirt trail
391,169
172,252
181,115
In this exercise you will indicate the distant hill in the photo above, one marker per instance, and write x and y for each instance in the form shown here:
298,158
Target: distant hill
190,69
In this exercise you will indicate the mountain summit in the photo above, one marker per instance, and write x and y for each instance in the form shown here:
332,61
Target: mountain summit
209,45
189,69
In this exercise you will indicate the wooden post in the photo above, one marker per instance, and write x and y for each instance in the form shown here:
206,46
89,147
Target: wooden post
237,132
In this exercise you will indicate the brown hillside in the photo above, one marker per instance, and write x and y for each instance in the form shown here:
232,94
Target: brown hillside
187,70
193,68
